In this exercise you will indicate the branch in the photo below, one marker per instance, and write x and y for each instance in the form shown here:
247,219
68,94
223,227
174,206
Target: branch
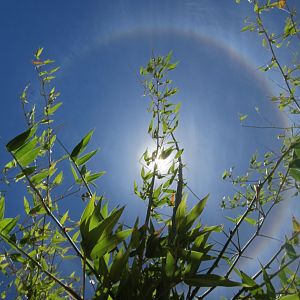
69,290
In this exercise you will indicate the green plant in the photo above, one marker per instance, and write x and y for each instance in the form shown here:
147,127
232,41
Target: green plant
169,254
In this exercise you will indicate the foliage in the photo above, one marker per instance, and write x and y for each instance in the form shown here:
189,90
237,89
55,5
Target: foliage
169,254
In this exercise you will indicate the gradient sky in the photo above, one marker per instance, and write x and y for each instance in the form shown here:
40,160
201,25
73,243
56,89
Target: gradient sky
100,46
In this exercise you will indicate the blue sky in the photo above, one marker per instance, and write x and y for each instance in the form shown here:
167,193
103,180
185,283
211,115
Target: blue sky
100,46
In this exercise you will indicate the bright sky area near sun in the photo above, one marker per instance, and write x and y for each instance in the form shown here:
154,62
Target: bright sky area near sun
100,46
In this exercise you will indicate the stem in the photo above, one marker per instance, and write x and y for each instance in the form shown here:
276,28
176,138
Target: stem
238,224
275,59
69,290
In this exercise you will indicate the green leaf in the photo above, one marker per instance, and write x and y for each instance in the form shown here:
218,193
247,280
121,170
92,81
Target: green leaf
51,110
250,221
118,265
2,207
93,177
290,251
270,288
107,244
21,139
295,163
242,117
25,172
209,280
64,218
26,206
177,107
58,179
83,159
74,173
150,126
170,265
180,219
8,224
295,173
166,153
26,154
85,215
80,147
196,212
38,178
248,282
178,154
38,53
289,297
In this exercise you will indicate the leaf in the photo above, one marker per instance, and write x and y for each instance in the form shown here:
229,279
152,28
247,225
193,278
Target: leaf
172,200
27,153
295,163
296,225
180,220
178,154
166,153
118,265
64,218
58,179
80,147
26,206
270,288
289,297
38,53
250,221
209,280
290,251
281,3
177,107
170,265
107,244
83,159
95,176
242,117
295,173
85,215
196,212
74,173
53,109
2,207
248,282
8,224
21,139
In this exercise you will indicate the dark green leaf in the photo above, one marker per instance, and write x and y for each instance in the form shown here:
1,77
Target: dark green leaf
295,173
8,224
80,147
118,264
295,163
209,280
170,264
21,139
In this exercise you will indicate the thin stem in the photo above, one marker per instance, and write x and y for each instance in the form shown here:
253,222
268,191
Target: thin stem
69,290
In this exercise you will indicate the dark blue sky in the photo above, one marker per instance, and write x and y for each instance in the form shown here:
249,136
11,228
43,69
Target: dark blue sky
100,46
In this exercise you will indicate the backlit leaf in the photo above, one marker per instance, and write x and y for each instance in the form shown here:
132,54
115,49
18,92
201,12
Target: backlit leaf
21,139
83,159
2,207
80,147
